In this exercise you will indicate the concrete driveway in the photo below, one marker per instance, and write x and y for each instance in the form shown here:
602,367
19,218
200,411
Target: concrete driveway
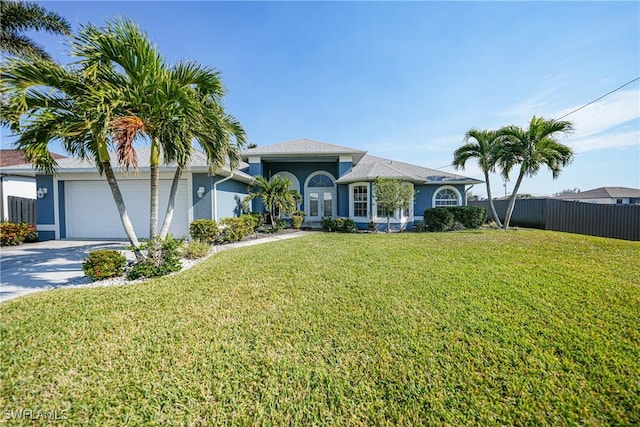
40,266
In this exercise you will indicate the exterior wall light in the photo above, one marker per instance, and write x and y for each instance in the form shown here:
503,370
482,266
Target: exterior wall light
200,192
41,192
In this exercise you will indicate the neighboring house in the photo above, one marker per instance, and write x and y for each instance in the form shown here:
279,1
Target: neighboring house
15,184
606,195
78,202
338,181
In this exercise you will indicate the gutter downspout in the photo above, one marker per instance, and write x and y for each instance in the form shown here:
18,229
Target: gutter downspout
214,199
466,195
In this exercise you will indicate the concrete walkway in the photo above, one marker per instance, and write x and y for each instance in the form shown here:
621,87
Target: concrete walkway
41,266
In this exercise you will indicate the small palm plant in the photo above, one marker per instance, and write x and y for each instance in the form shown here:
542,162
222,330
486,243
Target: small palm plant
276,196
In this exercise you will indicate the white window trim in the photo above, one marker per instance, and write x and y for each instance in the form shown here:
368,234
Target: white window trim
351,210
446,187
330,175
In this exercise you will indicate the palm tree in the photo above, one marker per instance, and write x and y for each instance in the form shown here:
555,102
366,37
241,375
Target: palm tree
276,196
482,149
531,149
47,102
171,106
18,17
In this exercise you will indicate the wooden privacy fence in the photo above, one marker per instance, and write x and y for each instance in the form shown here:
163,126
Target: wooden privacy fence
616,221
22,210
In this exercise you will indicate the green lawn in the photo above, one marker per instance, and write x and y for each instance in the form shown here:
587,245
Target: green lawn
488,327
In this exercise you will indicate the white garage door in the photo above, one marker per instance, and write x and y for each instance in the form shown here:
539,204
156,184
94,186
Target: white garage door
91,211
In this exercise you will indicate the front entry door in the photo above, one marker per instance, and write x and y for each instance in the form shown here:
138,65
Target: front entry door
320,202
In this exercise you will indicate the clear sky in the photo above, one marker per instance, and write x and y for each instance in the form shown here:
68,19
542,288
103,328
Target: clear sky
406,80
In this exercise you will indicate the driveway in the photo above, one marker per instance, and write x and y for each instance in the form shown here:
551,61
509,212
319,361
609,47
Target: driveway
41,266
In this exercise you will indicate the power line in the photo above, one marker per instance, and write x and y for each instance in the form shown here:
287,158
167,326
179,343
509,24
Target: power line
598,99
577,109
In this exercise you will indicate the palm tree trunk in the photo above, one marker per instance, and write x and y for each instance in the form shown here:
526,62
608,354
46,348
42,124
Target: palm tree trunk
124,217
491,205
154,165
153,217
168,217
512,201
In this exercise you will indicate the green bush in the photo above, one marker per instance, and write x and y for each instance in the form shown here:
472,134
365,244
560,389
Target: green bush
12,234
342,225
104,263
469,216
163,258
297,219
237,228
258,217
438,219
195,249
204,230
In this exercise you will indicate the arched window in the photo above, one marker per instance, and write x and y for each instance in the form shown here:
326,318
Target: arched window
320,180
295,184
447,196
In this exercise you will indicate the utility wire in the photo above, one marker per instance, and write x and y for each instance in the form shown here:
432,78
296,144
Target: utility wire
598,99
577,109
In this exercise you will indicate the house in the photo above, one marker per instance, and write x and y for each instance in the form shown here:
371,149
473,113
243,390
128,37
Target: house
77,202
15,184
334,181
606,195
337,181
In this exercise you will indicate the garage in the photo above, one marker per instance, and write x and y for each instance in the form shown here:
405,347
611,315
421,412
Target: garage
91,211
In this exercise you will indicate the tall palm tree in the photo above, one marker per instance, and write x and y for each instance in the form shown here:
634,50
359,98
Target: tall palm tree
531,149
171,106
47,102
19,17
481,145
276,196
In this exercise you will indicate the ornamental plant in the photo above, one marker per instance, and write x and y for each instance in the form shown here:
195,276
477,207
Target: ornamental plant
104,263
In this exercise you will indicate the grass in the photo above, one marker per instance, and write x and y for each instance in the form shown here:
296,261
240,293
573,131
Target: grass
488,327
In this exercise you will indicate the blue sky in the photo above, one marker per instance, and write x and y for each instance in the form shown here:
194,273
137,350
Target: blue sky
406,80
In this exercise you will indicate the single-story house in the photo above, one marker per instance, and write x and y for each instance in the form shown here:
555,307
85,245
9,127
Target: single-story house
337,181
334,181
606,196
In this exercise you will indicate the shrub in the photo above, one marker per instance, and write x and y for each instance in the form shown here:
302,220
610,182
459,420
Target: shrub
235,229
438,219
328,223
195,249
342,225
12,234
163,258
421,227
297,219
258,217
204,230
469,216
104,263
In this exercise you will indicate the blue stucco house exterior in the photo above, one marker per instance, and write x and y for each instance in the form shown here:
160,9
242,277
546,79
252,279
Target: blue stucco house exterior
337,181
334,181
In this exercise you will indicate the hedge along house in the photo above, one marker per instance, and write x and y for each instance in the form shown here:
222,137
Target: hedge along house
337,181
77,202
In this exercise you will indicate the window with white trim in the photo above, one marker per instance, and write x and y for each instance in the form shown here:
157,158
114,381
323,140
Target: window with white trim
447,196
360,197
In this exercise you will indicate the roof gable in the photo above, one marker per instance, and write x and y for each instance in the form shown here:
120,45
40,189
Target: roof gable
303,147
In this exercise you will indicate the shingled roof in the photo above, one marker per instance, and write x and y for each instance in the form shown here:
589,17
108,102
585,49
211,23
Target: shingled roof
15,157
371,167
603,193
303,147
198,162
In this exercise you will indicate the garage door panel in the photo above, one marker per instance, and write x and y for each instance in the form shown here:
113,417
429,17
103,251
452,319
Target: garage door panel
91,211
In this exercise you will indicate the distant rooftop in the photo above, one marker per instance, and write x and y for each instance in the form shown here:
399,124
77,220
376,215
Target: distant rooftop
603,193
12,157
